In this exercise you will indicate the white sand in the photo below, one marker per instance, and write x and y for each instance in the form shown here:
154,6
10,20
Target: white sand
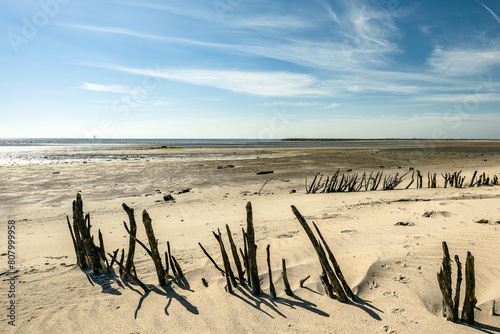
392,269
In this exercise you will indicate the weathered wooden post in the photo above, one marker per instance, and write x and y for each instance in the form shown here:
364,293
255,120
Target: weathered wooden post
131,241
288,290
470,294
236,257
271,284
230,279
86,243
444,280
336,266
252,252
154,248
322,257
456,301
171,261
129,274
210,258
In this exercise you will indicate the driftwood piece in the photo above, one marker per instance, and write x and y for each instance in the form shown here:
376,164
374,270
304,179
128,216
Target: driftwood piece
129,274
264,185
322,257
288,290
252,252
155,255
227,267
131,241
271,284
236,257
336,266
211,259
470,294
444,280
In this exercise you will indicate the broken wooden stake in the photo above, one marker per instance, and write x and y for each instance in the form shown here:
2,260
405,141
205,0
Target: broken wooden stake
167,266
322,257
326,284
252,252
74,241
470,295
133,232
171,261
227,267
211,259
129,274
177,268
236,257
444,280
115,254
336,266
137,240
288,290
245,256
302,281
120,264
102,251
83,237
456,300
271,284
155,255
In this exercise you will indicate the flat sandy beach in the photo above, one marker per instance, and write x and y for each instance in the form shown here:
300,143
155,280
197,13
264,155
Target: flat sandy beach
391,268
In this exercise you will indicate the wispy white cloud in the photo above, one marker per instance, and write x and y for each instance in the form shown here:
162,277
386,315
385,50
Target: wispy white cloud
105,88
267,84
161,103
495,16
332,105
272,22
138,34
328,8
464,62
459,98
425,29
289,104
184,8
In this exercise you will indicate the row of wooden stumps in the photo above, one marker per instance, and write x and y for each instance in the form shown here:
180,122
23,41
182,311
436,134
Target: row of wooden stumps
248,257
90,255
332,278
450,302
352,182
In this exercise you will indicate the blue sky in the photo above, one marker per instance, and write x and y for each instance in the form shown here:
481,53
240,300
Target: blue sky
250,69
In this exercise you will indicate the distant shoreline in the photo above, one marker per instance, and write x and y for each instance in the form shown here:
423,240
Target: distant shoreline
384,139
